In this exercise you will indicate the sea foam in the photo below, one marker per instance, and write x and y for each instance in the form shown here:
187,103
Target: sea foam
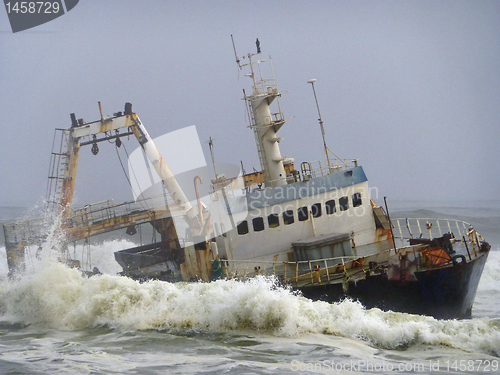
490,279
59,297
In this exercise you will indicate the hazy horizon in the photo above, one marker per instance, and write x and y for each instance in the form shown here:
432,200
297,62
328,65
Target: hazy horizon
411,88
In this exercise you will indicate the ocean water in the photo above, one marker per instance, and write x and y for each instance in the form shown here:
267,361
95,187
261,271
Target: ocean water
55,321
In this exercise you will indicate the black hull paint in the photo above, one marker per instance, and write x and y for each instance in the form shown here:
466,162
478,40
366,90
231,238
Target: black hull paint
444,293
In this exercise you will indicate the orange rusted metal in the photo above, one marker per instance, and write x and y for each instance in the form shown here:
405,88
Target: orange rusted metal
435,256
197,263
204,223
382,234
69,177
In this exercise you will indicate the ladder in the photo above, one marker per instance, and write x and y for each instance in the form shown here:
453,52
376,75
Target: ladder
57,167
260,151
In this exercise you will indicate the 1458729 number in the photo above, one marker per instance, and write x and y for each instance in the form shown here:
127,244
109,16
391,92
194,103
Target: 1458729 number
32,7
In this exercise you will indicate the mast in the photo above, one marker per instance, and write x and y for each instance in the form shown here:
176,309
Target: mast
265,123
311,81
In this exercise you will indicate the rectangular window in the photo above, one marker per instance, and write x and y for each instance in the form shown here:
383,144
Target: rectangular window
288,217
356,200
258,224
344,203
242,227
273,220
302,213
316,209
330,207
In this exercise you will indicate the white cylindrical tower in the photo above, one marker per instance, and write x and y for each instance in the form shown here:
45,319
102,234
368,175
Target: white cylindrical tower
265,125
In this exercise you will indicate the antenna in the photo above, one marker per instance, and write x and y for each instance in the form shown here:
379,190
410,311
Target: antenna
211,145
311,81
235,54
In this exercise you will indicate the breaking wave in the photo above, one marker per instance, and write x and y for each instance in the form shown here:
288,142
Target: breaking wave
4,268
490,279
58,297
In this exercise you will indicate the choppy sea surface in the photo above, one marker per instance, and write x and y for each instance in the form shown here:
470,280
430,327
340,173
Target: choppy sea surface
55,321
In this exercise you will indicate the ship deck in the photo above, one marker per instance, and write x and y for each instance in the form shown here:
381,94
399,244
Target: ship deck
91,220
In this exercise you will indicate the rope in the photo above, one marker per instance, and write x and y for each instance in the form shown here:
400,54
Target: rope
165,193
123,169
141,202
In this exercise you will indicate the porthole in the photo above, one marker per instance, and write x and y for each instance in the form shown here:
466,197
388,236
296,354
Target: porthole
344,203
316,210
258,224
288,217
242,227
356,200
302,213
273,220
330,207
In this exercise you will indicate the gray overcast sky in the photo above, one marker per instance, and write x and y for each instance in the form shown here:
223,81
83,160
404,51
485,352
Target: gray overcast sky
411,88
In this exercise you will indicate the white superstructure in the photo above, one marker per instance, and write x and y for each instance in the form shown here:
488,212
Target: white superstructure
266,124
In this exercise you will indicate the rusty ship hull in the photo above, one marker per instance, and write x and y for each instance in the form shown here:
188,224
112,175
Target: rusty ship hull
447,292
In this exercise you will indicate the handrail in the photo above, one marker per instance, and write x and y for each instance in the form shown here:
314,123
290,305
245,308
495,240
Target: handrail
35,229
323,168
409,228
315,271
292,262
88,214
319,270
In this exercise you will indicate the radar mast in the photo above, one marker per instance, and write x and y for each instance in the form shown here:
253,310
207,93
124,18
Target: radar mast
264,122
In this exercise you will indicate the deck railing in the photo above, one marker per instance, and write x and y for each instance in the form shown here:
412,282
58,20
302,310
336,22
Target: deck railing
430,228
305,272
407,228
34,231
321,270
319,168
27,232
